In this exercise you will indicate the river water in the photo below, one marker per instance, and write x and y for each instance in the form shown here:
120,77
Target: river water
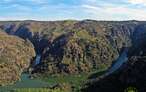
26,82
119,62
37,60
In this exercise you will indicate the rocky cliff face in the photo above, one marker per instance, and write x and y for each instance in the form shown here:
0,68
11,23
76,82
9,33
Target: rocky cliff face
75,46
131,74
15,56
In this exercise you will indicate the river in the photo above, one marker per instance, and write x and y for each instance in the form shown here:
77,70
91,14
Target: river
26,82
119,62
37,60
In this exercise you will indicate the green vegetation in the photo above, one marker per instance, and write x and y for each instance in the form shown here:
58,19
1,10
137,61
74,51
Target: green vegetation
70,50
81,52
75,81
37,90
67,83
74,46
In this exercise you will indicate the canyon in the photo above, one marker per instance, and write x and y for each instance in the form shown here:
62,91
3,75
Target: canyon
73,47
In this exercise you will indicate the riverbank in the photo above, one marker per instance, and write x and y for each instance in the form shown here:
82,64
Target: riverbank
25,82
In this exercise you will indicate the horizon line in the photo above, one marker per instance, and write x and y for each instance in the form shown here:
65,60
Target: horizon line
13,20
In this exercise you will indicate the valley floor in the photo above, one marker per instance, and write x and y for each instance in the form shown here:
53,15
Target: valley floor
71,82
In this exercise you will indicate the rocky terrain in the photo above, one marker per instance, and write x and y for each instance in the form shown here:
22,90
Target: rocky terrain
74,47
15,56
132,74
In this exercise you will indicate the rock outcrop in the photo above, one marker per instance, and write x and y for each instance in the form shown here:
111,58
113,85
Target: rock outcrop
75,46
131,74
15,56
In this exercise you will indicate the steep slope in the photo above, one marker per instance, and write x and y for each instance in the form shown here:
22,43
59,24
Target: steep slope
74,46
131,75
15,56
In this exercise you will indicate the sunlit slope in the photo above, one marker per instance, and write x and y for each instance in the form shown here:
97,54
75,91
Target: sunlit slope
15,56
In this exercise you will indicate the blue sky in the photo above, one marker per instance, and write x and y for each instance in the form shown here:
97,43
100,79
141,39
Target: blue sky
72,9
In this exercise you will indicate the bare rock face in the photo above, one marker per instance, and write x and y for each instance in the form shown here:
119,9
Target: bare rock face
15,56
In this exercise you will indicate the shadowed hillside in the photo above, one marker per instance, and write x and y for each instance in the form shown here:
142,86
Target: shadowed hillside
73,47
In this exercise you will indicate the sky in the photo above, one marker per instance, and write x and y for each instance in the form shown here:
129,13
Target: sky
72,9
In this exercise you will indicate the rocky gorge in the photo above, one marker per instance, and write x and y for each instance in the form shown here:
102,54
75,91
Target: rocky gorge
74,47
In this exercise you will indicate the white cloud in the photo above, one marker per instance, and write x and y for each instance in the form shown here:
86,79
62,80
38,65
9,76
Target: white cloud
129,12
114,12
137,1
90,7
